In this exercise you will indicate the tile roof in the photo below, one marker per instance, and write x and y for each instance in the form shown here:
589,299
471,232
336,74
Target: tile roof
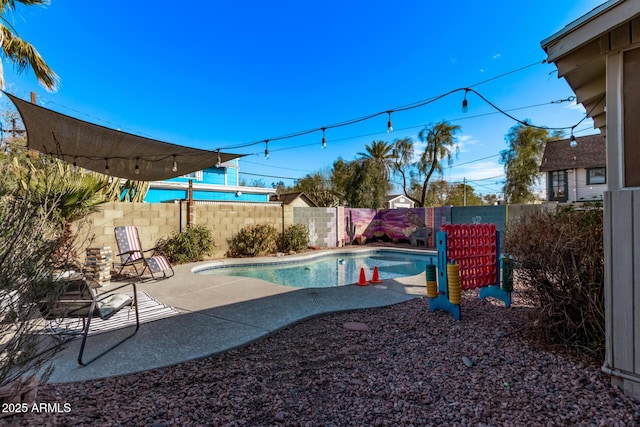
590,152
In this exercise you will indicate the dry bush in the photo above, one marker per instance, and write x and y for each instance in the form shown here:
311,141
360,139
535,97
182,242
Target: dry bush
559,258
253,240
38,199
295,238
28,239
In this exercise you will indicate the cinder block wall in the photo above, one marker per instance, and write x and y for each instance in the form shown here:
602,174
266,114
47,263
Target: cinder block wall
322,223
154,220
226,219
157,220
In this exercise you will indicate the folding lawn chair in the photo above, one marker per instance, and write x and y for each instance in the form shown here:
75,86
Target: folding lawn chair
79,300
132,255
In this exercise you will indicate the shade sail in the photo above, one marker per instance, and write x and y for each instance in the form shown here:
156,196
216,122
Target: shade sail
110,151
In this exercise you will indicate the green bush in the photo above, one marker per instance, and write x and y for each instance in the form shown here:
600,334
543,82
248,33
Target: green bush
559,258
191,245
295,238
253,240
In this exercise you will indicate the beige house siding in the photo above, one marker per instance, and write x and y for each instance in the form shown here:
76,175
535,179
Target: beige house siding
580,191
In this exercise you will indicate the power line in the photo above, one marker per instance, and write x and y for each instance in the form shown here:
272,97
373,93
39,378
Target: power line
278,167
268,176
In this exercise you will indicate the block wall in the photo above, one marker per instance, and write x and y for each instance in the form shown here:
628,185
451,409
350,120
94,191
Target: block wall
322,223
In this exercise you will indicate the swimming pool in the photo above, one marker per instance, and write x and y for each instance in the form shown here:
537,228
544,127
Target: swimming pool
335,269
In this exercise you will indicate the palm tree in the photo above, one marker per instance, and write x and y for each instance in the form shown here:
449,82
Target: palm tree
402,162
381,153
441,144
69,194
18,51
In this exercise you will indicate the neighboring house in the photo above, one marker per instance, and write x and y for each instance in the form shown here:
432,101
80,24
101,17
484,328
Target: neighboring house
398,201
598,55
298,199
211,184
575,174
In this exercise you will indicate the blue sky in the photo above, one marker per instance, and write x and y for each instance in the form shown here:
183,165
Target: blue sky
212,74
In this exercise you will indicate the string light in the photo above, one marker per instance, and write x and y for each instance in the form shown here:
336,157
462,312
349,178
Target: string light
389,122
572,139
106,165
410,107
137,167
465,103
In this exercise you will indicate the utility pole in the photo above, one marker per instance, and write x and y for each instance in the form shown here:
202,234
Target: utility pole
464,189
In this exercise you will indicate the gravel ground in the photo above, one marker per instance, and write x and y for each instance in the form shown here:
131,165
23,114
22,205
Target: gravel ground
409,367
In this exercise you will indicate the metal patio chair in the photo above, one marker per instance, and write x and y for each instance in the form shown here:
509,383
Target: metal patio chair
79,300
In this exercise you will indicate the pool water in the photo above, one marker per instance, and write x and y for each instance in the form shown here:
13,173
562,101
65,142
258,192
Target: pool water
331,270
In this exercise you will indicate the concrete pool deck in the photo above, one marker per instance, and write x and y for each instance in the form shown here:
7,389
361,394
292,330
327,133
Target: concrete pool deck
219,313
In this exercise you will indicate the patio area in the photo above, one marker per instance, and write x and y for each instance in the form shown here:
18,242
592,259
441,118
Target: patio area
205,315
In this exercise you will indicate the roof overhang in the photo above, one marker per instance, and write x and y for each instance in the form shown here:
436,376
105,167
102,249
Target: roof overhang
110,151
579,52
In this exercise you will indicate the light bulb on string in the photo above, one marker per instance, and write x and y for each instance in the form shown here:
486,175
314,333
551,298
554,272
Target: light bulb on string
219,162
389,124
174,167
106,165
266,149
137,167
465,103
324,140
572,139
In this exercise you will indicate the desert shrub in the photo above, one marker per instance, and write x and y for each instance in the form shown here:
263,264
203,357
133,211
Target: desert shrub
253,240
190,245
38,198
295,238
559,258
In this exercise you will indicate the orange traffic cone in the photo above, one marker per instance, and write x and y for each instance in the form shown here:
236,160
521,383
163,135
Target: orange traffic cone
375,279
363,279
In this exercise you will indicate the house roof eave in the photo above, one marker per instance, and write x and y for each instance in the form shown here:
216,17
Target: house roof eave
588,27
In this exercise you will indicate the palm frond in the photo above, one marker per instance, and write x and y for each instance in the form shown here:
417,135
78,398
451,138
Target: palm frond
11,4
24,55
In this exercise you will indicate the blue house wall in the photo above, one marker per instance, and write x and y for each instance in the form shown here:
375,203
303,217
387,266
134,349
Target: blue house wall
217,178
159,195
